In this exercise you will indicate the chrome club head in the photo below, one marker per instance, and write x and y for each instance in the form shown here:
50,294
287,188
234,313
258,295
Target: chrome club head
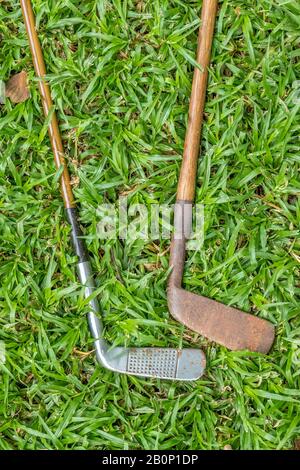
163,363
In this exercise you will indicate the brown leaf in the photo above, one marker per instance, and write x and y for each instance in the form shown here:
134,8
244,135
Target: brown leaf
297,444
82,354
17,88
151,266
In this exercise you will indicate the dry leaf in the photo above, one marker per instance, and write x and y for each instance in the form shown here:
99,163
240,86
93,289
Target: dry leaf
297,444
82,354
17,88
150,266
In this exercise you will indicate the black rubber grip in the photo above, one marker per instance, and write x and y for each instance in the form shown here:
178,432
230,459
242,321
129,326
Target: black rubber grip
76,235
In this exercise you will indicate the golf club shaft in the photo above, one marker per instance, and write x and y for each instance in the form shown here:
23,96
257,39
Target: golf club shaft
187,178
83,267
54,133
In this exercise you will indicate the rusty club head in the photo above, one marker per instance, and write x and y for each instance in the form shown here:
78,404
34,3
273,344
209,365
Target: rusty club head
225,325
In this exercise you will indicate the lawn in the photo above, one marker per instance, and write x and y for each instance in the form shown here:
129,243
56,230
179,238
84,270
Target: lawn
121,73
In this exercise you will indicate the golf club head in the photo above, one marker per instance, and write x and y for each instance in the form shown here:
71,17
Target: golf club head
225,325
163,363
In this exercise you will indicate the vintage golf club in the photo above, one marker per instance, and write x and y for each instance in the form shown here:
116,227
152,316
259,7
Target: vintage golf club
225,325
166,363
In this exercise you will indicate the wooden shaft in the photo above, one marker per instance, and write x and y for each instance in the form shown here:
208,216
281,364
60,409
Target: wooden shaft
54,133
187,178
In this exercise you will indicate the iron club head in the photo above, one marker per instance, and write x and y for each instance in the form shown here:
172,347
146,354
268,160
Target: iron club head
225,325
164,363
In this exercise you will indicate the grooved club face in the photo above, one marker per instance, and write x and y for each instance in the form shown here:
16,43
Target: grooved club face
163,363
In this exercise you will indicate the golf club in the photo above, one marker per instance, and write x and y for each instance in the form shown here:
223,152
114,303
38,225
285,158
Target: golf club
165,363
220,323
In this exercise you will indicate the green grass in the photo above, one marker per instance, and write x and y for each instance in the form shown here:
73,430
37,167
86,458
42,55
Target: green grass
121,76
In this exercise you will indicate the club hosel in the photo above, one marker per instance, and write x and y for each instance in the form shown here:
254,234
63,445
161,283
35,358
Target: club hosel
86,278
183,218
84,272
76,235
